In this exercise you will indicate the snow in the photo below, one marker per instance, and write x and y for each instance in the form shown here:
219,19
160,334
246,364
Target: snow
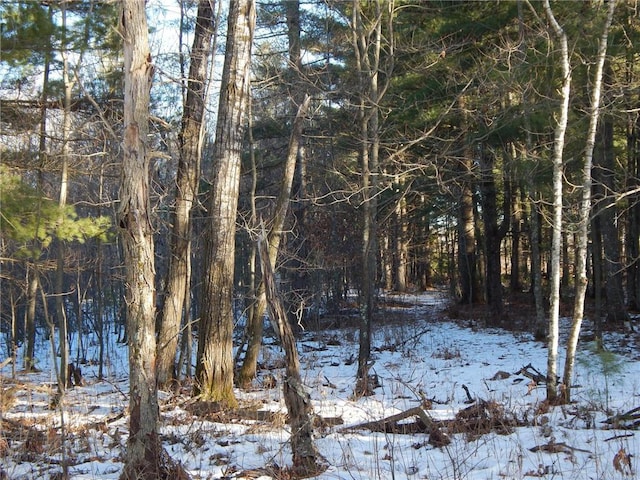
420,357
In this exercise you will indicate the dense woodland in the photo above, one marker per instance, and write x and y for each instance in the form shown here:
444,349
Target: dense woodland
491,149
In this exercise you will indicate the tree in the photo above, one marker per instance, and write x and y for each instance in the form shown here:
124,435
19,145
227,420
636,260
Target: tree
144,458
294,157
585,208
191,138
306,459
274,238
367,41
214,368
556,221
604,175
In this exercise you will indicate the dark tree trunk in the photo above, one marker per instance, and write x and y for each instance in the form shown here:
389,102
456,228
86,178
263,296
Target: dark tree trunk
493,235
33,282
604,174
515,285
598,272
633,214
467,262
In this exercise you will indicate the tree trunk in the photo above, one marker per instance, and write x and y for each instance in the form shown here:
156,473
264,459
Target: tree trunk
214,368
516,252
467,261
556,220
493,235
144,459
585,210
188,174
633,228
33,282
540,326
367,41
598,270
61,313
633,213
604,172
306,459
248,370
401,245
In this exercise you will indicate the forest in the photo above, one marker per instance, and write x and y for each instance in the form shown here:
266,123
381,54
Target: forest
188,178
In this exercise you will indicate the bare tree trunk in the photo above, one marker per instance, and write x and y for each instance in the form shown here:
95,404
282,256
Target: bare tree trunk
401,245
585,209
467,259
186,190
61,313
144,457
33,274
494,234
633,175
367,38
516,230
214,368
306,459
556,220
30,317
604,173
248,370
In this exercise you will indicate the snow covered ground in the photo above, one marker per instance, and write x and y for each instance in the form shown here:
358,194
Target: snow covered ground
420,359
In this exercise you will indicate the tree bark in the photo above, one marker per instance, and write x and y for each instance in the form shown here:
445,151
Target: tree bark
604,172
556,220
494,233
367,43
61,313
400,245
191,138
633,168
306,459
467,261
144,459
585,209
274,237
33,281
214,368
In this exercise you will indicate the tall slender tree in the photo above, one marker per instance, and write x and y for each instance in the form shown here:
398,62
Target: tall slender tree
214,368
556,220
274,238
191,138
585,207
294,159
367,39
144,457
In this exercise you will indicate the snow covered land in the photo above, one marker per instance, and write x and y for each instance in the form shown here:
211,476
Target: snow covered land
482,419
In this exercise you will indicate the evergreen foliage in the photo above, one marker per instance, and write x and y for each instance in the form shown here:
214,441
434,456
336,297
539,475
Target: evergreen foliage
33,221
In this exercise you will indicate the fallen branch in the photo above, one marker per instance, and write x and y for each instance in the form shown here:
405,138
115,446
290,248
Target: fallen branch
531,372
391,423
553,447
629,419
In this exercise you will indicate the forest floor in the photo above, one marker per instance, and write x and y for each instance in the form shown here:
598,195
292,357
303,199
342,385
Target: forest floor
474,413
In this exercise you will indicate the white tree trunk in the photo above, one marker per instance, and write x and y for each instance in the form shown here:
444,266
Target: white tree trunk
585,208
556,220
